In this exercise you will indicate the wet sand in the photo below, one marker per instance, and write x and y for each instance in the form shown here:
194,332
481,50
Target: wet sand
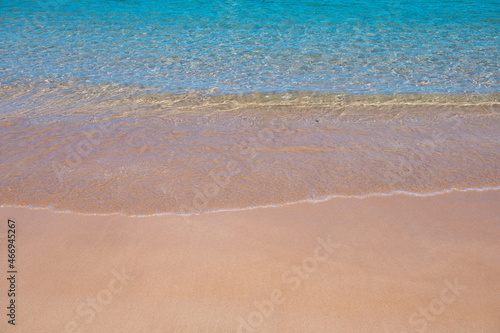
380,264
145,154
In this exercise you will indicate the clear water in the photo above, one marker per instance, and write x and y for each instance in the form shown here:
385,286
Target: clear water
148,107
229,46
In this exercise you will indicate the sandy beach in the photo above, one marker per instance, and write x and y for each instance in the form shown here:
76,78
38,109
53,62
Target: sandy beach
249,166
397,263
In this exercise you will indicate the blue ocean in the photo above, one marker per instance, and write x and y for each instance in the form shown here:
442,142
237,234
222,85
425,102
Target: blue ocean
241,46
148,107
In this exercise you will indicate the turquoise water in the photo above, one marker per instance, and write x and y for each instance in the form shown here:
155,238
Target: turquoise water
418,46
148,107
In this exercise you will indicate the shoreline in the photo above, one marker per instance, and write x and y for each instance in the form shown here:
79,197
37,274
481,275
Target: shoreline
390,264
310,200
250,167
140,164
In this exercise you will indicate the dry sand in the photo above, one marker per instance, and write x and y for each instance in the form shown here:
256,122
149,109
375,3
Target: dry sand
380,264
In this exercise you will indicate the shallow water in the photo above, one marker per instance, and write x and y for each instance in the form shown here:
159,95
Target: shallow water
227,46
163,153
145,107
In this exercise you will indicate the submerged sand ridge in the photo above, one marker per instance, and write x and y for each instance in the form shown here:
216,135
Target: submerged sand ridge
164,153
